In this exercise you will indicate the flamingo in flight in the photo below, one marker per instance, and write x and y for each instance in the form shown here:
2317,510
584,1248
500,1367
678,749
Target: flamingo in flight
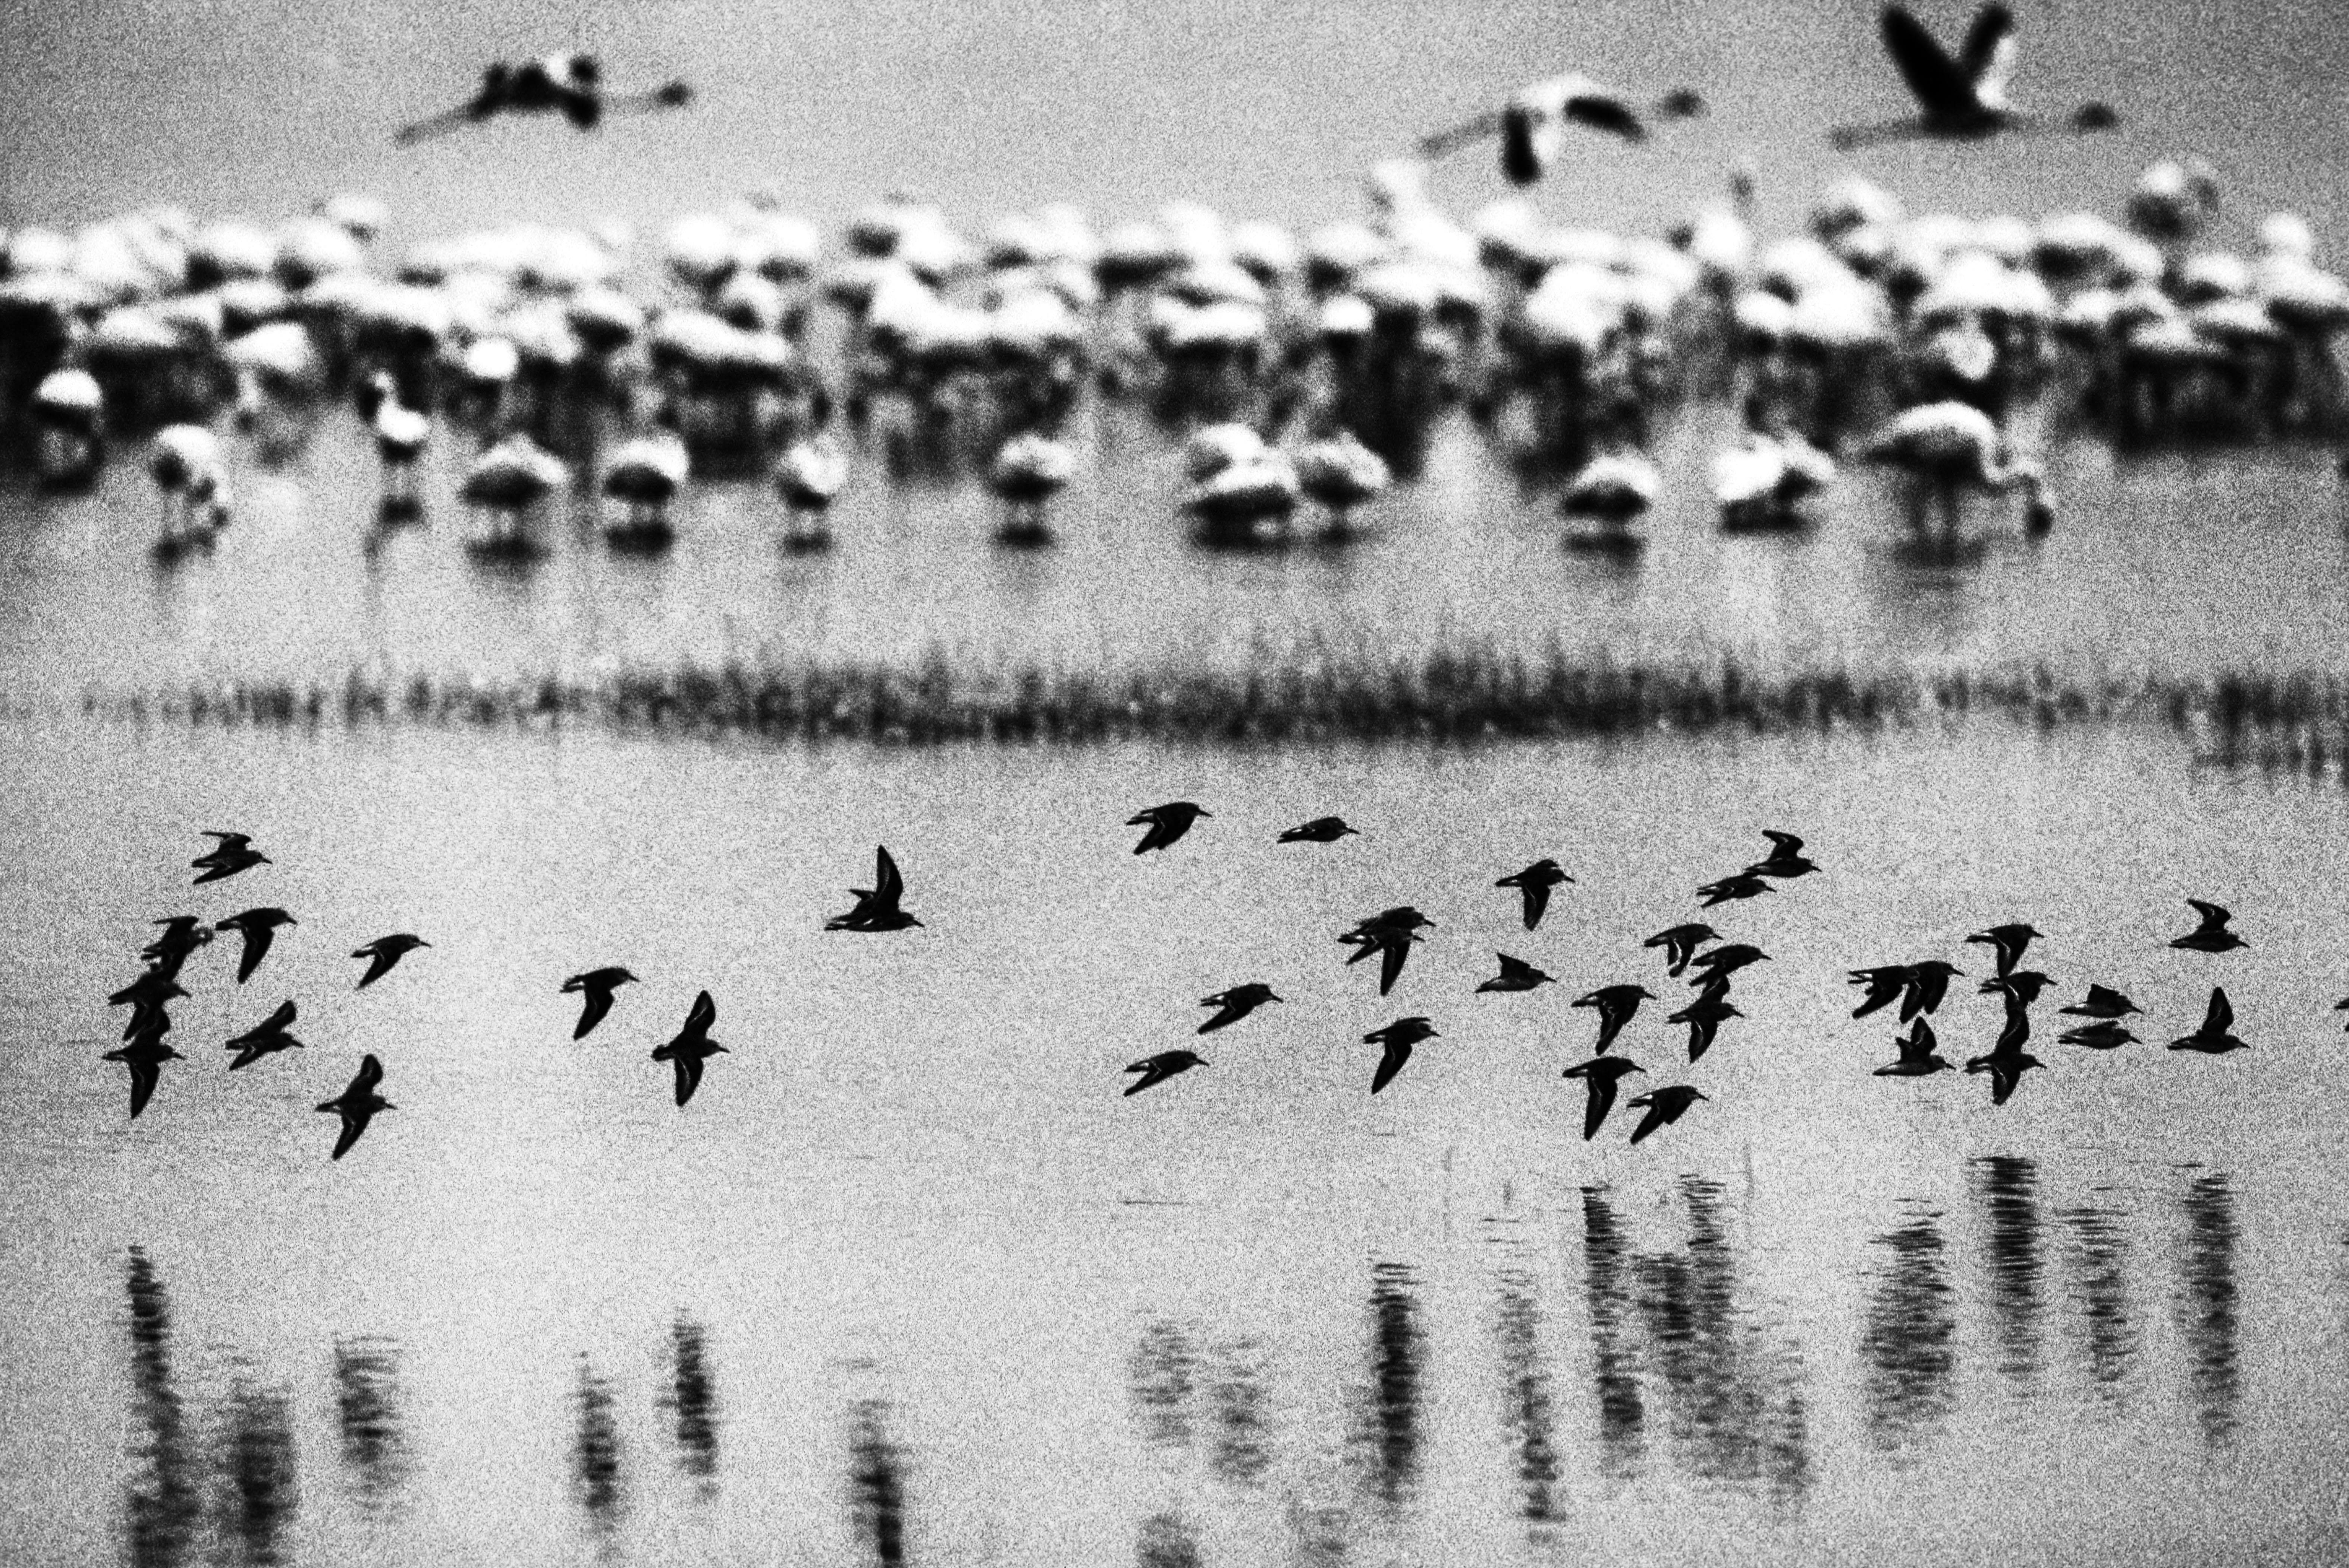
1532,124
1962,99
570,84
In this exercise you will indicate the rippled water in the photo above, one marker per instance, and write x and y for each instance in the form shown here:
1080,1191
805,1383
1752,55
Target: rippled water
909,1280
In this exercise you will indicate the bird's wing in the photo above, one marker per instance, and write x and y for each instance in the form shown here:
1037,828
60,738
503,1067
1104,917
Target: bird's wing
1393,1055
370,1075
1989,54
2213,916
1605,112
689,1075
378,962
353,1125
591,1012
228,841
1536,896
1396,949
1787,844
434,124
1701,1033
278,1022
2221,1016
257,939
1940,84
888,884
1445,142
144,1075
1515,968
698,1021
1602,1101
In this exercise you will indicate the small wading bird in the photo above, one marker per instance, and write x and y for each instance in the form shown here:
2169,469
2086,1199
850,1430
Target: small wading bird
570,84
1532,124
1928,982
1320,831
272,1033
2103,1003
1516,974
1394,1042
876,907
2020,988
1235,1003
1679,944
1704,1017
2216,1037
1389,933
1918,1057
1786,858
1745,884
259,929
148,996
1165,823
1720,963
691,1048
145,1057
595,985
183,934
2103,1035
1962,99
2008,940
2211,936
233,853
357,1104
1949,448
1600,1075
1162,1066
1615,1005
383,952
1534,883
1881,985
1664,1106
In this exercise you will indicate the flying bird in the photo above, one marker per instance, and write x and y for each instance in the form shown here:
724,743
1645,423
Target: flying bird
181,936
383,952
357,1104
1235,1003
1881,987
1534,883
571,85
1664,1106
1600,1075
1395,1041
876,907
233,853
145,1057
2216,1037
2021,988
2211,936
1162,1066
1165,823
1389,933
272,1033
1745,884
1532,124
595,985
691,1048
259,929
2007,1061
2103,1003
1918,1057
1704,1017
1720,963
1320,831
1786,858
1679,944
2103,1035
1928,982
1964,99
1516,974
1615,1005
2008,940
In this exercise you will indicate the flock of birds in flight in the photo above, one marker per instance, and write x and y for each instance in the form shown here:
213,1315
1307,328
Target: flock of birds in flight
1692,949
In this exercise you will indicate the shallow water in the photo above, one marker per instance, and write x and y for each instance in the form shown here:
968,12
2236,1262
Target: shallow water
909,1280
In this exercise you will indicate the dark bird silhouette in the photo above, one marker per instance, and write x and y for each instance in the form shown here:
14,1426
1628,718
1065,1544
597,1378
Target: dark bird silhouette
1389,933
1516,974
1704,1017
1882,984
1534,883
1616,1004
1320,831
150,997
1918,1057
181,936
1162,1066
1720,963
1664,1106
2216,1037
2103,1003
1928,982
691,1048
357,1104
1165,823
595,985
2341,1006
1235,1003
145,1057
570,84
2022,988
271,1035
233,853
1394,1042
2008,940
1679,944
2007,1061
2211,936
259,929
1964,99
1745,884
2103,1035
1786,858
1600,1075
877,908
1532,125
383,952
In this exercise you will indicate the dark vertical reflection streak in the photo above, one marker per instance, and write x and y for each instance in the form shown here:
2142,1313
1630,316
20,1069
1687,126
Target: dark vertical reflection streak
1243,1444
2098,1259
1525,1388
160,1504
1161,1375
1909,1339
1397,1352
596,1450
1166,1542
2009,1190
257,1495
2207,1306
1615,1369
368,1417
877,1484
692,1401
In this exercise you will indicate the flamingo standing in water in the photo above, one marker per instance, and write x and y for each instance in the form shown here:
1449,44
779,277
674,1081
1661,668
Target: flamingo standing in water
814,472
1949,447
401,434
1614,488
507,480
186,466
1030,470
1339,473
646,473
1532,124
570,84
1962,99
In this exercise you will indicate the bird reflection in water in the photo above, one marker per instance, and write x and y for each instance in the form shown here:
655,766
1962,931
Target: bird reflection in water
2007,1187
1162,1374
2206,1305
368,1417
1243,1414
2097,1262
1614,1353
1909,1345
1166,1542
257,1494
161,1501
1525,1390
1392,1421
691,1399
877,1484
596,1452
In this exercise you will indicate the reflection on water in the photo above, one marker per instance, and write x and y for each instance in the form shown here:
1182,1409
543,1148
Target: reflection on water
1243,1414
692,1400
1161,1376
1526,1389
2098,1264
256,1495
877,1484
1166,1542
1398,1349
596,1452
1614,1365
161,1501
368,1417
1909,1341
2206,1305
2008,1189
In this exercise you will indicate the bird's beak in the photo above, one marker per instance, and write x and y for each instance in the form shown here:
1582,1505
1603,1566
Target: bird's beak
386,1105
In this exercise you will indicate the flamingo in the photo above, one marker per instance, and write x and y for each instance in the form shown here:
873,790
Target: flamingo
646,473
1030,470
508,481
1949,446
573,83
814,472
1964,99
1760,484
1246,501
186,466
1614,488
1532,124
1339,473
70,417
402,435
